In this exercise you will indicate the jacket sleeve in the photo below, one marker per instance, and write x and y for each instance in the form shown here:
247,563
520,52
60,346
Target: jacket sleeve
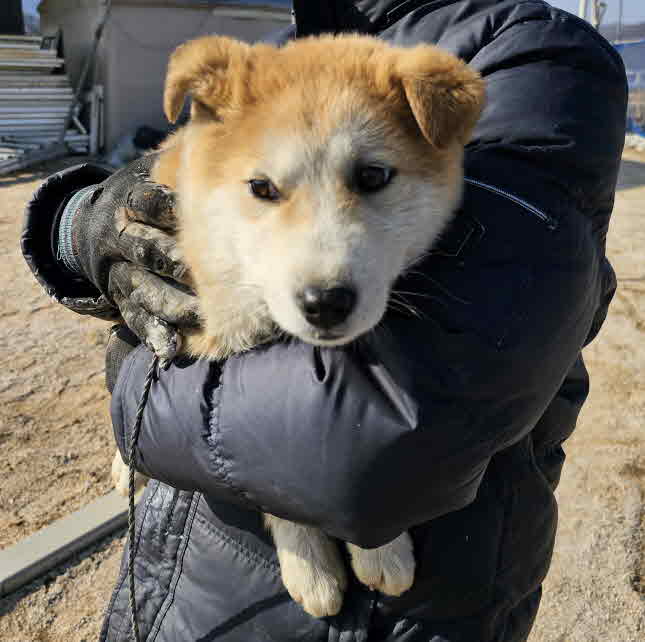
399,428
369,440
39,243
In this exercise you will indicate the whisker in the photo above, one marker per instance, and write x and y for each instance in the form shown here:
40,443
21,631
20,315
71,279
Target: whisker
403,306
430,296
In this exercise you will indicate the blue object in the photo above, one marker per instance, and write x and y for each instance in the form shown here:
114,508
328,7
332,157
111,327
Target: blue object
633,55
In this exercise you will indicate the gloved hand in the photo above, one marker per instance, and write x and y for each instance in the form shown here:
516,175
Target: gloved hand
119,236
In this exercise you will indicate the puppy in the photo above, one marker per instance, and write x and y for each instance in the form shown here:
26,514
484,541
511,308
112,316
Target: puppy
309,178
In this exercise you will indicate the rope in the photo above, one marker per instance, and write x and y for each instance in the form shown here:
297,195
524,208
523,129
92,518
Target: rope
134,437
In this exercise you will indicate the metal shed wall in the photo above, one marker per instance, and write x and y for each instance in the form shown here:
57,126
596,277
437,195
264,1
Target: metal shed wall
137,41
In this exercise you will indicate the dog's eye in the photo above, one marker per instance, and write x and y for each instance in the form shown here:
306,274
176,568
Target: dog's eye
371,178
264,189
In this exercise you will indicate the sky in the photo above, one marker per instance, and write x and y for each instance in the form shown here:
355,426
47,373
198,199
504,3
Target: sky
633,10
30,5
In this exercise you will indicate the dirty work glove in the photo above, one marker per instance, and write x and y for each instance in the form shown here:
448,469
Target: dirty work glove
119,236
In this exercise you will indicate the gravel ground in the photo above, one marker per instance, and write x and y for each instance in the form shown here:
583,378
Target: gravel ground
54,426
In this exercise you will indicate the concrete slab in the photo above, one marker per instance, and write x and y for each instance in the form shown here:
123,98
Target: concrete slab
36,554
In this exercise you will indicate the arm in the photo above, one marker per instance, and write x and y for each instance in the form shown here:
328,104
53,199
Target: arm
336,438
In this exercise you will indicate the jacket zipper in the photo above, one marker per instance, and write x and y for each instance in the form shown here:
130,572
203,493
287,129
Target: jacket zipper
550,222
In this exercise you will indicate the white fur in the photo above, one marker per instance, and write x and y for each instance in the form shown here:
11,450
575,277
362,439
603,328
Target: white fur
250,258
250,276
367,245
389,568
312,570
121,476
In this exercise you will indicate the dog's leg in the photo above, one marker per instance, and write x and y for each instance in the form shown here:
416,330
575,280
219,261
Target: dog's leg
312,569
389,568
121,476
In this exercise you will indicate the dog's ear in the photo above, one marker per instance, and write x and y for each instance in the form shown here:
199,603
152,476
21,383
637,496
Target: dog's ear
211,70
445,95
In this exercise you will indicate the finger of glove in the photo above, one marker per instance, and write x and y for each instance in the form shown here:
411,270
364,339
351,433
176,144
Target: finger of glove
158,336
149,247
166,301
162,298
152,204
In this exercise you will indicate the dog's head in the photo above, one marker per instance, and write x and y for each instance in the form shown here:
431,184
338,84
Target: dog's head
314,174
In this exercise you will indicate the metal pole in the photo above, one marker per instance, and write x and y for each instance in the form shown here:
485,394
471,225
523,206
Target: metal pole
87,65
598,8
619,24
582,8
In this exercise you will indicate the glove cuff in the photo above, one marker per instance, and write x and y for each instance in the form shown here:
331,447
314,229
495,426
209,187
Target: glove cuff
65,250
39,242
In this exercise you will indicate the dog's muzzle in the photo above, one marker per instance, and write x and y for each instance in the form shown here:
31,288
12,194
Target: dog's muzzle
326,308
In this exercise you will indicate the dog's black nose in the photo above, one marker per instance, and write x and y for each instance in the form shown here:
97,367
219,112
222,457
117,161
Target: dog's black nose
326,308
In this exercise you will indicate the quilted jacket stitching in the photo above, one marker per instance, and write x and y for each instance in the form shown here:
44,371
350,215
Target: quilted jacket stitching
119,586
214,439
249,555
179,564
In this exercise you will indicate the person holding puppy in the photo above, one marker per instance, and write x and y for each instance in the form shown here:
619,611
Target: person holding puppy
449,425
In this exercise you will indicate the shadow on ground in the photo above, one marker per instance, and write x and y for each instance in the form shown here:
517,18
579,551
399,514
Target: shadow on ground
40,171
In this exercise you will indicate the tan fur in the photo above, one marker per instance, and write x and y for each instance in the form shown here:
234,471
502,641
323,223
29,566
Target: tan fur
301,115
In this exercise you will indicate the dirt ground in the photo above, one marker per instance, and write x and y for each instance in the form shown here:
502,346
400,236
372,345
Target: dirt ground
56,447
54,427
596,588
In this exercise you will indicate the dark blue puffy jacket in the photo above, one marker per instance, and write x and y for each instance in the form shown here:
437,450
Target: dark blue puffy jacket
449,425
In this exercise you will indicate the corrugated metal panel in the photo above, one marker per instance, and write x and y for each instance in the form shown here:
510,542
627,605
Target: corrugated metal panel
22,40
35,99
255,4
18,81
69,5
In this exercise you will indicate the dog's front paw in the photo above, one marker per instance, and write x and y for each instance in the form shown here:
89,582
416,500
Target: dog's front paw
314,576
389,568
121,476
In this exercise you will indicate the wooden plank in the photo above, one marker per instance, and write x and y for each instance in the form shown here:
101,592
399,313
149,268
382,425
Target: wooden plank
29,93
38,553
19,63
26,53
8,79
